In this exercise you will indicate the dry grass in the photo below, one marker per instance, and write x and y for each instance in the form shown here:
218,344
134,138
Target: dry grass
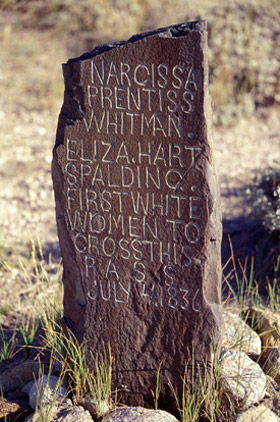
243,40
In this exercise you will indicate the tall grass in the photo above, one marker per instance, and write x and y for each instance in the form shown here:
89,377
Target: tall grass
202,393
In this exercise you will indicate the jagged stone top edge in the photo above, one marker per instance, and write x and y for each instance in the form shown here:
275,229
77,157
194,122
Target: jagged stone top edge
174,31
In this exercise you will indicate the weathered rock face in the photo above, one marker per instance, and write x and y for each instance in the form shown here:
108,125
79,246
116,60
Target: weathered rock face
139,414
242,380
238,335
138,208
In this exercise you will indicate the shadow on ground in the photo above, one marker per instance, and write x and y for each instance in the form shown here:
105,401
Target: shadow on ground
252,250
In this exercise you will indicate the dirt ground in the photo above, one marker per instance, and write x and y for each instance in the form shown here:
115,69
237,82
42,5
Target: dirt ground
30,98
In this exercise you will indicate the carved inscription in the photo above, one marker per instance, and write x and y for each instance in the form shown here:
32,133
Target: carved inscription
129,202
137,209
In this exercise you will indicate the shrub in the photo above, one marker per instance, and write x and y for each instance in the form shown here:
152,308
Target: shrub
265,197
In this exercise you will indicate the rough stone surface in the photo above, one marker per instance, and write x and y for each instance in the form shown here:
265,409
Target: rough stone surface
27,387
242,380
46,389
95,408
267,324
138,414
238,335
270,361
18,375
137,205
62,411
260,413
72,414
12,411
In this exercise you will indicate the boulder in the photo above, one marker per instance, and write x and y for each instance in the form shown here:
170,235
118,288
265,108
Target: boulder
138,414
238,335
242,380
95,407
62,412
260,413
13,411
47,390
270,361
19,375
267,324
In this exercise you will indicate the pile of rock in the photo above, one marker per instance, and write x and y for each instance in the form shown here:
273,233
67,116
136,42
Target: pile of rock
249,378
250,365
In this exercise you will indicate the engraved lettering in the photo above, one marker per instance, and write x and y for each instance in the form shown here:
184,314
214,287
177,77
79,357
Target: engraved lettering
109,146
125,70
139,268
71,154
112,269
186,303
70,170
192,232
89,263
141,71
197,307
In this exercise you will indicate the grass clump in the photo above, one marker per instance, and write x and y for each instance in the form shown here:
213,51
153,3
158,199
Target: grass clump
240,282
47,396
28,330
255,281
7,345
40,330
100,381
83,382
201,393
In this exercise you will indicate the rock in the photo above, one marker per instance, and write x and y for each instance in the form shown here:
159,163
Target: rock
12,411
62,412
19,375
45,390
238,335
138,208
26,388
259,413
242,380
270,362
138,414
95,408
267,324
72,414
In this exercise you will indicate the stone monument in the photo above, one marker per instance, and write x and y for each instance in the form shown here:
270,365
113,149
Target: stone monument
137,206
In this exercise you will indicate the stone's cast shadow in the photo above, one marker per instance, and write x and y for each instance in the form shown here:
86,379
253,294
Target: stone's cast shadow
251,241
249,250
51,249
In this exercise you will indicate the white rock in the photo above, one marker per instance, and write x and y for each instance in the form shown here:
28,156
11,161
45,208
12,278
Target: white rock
267,324
72,414
62,412
46,389
95,407
138,414
238,335
260,413
242,380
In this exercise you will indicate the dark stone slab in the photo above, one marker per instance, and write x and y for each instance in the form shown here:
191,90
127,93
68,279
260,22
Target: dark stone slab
137,205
